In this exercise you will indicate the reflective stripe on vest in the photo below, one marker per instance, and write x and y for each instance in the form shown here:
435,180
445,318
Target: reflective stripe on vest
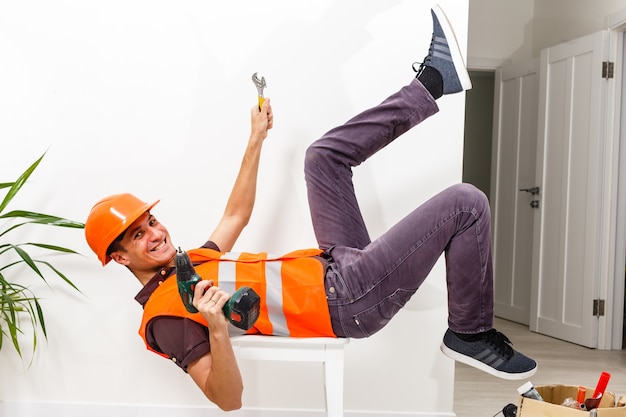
273,297
291,287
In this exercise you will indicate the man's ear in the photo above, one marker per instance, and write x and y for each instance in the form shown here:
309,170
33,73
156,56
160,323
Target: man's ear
120,258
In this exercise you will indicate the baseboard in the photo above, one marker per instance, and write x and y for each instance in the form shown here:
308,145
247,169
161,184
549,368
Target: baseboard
31,409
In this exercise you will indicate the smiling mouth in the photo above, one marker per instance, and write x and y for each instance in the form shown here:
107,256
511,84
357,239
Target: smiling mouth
160,245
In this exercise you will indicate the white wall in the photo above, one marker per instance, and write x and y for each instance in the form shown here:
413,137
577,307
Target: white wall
154,98
564,20
517,30
499,30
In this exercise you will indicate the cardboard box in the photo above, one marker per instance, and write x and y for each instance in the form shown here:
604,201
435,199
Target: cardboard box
553,396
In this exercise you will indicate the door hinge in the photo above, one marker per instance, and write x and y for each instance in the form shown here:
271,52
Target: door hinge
598,308
607,69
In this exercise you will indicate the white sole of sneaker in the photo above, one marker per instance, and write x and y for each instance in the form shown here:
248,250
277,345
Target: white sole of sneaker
455,51
483,367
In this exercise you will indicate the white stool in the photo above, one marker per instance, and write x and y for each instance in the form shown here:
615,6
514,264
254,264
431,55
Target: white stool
328,350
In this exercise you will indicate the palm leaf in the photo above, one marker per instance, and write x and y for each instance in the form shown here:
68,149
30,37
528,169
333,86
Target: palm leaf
52,247
28,260
63,277
15,226
2,268
15,299
41,218
42,322
6,247
17,185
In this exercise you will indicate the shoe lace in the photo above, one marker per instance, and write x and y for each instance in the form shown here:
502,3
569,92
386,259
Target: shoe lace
499,342
421,65
427,59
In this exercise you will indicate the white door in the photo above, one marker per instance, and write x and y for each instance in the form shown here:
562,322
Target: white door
514,156
576,189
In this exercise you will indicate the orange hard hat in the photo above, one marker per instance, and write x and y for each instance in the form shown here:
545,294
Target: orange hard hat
108,218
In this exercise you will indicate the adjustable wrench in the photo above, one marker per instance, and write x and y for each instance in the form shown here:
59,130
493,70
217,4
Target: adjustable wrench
260,85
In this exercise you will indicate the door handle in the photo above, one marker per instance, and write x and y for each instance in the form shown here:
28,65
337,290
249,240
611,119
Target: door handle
532,190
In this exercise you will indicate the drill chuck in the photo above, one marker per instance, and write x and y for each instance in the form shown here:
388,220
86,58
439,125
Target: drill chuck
243,307
186,278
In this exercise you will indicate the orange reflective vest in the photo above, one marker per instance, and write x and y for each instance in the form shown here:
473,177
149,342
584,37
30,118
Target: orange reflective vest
291,287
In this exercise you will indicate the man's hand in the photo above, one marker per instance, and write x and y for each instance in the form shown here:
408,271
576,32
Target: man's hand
262,120
216,373
210,300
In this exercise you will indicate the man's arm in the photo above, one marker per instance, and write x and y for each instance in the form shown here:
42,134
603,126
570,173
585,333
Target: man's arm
241,201
216,373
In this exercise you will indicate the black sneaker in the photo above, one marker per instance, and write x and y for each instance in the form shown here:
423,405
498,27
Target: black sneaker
492,353
445,56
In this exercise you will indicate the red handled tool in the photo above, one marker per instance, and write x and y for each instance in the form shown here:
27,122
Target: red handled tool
602,383
594,401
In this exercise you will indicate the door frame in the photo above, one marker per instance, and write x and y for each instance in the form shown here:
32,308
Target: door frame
611,335
615,317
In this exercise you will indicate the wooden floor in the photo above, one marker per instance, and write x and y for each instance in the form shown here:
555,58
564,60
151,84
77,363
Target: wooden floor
477,394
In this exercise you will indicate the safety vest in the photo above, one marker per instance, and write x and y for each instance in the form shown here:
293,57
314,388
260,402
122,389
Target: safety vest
291,287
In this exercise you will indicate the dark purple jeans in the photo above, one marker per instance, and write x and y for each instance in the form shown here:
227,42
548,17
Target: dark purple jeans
368,282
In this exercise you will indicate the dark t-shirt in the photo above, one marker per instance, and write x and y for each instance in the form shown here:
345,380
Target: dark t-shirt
183,340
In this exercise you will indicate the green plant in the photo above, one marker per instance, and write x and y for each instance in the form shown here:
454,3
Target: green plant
17,300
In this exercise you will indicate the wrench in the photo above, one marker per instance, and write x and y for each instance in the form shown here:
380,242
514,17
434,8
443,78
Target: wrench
260,84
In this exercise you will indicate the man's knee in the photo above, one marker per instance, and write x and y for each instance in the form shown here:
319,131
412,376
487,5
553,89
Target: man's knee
313,155
472,196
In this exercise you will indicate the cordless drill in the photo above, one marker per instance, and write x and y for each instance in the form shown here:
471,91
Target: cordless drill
242,309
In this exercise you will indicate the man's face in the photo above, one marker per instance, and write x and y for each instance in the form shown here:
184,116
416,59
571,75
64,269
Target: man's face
147,245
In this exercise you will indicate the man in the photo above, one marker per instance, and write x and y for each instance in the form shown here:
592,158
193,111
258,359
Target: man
351,286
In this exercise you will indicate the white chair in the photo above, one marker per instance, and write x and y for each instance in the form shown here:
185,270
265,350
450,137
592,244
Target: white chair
328,350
